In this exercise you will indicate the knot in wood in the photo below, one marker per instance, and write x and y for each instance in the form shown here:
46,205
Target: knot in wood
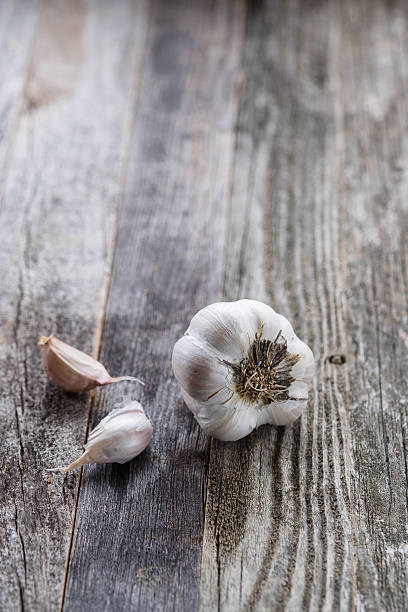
337,359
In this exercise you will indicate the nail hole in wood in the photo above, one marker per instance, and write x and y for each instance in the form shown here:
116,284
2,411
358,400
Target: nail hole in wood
337,359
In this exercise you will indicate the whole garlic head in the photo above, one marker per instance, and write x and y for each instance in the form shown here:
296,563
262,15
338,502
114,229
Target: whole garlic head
240,365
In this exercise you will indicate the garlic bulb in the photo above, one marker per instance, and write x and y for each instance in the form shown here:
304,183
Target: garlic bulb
122,435
73,370
240,365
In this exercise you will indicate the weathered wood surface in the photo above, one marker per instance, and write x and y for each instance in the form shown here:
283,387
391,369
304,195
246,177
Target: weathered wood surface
17,21
167,155
57,217
314,516
147,517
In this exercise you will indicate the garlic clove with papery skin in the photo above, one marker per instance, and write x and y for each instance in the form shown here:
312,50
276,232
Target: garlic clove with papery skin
122,435
240,365
73,370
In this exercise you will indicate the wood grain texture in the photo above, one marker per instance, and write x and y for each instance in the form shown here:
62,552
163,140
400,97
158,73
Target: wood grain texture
374,183
314,516
138,533
17,25
57,220
150,163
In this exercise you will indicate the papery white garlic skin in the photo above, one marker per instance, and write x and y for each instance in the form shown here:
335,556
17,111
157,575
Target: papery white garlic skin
122,435
215,363
73,370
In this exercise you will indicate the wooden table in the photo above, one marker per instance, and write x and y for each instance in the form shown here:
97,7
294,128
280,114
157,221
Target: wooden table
158,156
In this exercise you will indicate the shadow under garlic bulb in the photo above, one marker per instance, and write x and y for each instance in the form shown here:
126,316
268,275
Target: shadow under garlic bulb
240,365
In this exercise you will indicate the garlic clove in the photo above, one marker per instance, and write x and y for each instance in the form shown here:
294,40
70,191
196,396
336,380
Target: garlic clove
298,390
231,423
73,370
217,327
282,413
199,372
122,435
237,421
256,316
304,369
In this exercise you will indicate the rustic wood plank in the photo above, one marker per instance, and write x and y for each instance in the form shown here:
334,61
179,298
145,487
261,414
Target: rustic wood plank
373,123
57,220
275,525
17,25
314,516
137,540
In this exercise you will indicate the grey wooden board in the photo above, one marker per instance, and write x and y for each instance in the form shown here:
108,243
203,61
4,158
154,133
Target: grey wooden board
374,196
303,205
17,21
138,531
314,516
59,202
